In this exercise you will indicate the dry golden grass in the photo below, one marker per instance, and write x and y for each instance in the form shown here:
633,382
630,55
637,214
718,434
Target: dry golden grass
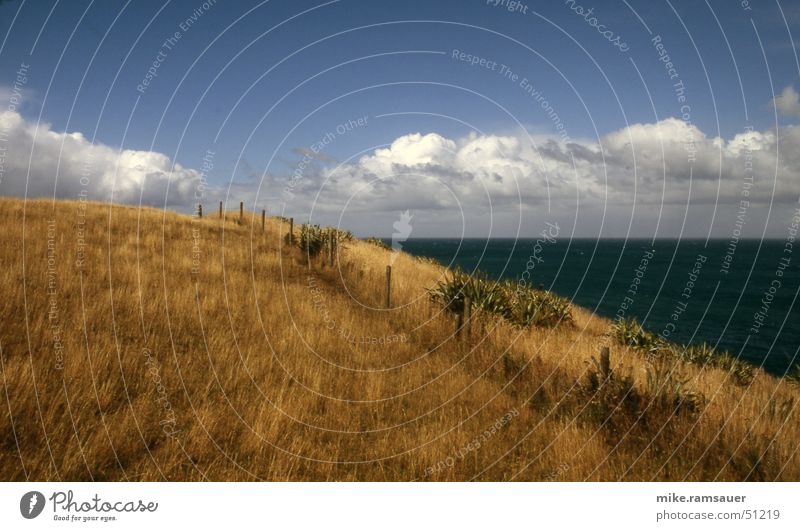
256,367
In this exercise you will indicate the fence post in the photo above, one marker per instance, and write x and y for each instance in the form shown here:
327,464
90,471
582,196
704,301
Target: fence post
467,313
388,286
291,231
326,249
263,219
330,248
241,212
605,363
220,210
200,211
308,245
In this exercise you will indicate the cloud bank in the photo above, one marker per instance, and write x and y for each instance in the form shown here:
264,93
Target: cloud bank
657,169
40,162
668,162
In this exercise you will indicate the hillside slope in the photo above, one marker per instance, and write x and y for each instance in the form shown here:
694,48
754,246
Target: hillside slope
143,345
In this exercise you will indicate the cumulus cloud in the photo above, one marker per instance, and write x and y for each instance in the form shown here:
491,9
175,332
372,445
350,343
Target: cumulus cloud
501,180
40,162
788,102
665,178
668,162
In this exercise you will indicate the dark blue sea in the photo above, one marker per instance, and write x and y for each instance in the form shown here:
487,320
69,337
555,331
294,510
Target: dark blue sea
739,297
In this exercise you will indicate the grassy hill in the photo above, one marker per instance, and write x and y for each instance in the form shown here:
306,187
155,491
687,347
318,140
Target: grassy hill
143,345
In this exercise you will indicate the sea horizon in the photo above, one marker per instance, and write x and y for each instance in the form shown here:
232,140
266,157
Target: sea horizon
595,274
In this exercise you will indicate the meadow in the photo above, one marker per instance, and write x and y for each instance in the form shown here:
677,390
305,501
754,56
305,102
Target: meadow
144,345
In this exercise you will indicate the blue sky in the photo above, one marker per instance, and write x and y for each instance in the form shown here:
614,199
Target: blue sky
259,83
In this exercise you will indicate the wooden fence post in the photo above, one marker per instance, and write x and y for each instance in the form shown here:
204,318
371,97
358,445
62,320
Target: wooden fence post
220,210
308,245
241,212
467,313
200,211
291,231
388,286
263,219
605,363
331,249
326,249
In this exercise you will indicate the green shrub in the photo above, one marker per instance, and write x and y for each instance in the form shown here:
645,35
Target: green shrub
539,308
700,354
705,355
521,307
743,373
630,333
343,235
313,238
485,295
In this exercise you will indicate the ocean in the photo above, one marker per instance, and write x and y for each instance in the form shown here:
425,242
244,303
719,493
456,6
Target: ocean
738,297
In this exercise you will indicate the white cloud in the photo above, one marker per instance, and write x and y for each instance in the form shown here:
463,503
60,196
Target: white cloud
642,171
639,172
788,102
652,163
46,163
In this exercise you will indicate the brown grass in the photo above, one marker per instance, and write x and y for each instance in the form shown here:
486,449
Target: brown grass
244,370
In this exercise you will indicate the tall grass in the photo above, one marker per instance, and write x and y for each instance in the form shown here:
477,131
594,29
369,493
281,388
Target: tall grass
377,242
152,346
630,333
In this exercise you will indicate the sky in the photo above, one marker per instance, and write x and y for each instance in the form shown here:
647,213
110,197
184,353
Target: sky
652,119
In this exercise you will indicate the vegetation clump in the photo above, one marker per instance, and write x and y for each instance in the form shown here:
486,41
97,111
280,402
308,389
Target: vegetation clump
523,307
707,356
314,238
625,410
539,308
669,390
484,294
630,333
